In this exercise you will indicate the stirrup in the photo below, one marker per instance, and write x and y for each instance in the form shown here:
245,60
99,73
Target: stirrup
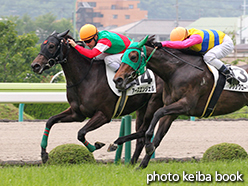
232,80
230,77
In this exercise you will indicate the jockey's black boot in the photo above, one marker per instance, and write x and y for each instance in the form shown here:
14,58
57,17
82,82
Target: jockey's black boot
229,75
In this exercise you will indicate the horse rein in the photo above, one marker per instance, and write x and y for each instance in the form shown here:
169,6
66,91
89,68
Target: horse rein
182,59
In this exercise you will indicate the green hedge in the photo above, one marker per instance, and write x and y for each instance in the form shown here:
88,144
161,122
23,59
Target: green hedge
44,110
224,151
70,154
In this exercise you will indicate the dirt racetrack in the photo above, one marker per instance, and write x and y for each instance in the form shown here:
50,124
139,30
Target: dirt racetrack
20,141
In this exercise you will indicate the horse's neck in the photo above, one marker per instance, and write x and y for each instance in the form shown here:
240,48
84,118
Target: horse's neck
76,67
171,64
160,61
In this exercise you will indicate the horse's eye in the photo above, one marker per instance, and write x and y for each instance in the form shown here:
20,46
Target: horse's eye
133,58
51,46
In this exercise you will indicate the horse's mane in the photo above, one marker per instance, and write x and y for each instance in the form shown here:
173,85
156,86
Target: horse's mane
150,41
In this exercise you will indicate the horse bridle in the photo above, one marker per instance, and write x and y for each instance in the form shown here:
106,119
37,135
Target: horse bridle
57,56
135,73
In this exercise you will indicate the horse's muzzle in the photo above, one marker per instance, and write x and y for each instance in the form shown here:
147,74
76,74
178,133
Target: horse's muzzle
119,83
36,67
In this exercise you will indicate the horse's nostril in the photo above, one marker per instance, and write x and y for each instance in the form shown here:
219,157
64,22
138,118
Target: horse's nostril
35,67
118,80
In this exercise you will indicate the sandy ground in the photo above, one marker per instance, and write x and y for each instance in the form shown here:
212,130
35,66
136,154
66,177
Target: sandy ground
20,141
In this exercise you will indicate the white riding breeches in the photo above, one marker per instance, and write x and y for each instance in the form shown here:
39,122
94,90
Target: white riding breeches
214,55
113,61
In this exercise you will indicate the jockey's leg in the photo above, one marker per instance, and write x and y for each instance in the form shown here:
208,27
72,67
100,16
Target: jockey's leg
214,55
113,61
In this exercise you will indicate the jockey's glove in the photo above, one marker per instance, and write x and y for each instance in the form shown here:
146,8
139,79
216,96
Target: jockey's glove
158,45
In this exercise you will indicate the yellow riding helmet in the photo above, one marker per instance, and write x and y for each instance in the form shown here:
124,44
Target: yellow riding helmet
87,32
178,34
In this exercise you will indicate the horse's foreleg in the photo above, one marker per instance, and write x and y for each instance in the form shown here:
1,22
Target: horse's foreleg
95,122
164,125
140,143
174,109
65,116
144,116
149,133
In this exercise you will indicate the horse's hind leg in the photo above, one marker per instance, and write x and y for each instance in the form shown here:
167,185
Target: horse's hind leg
65,116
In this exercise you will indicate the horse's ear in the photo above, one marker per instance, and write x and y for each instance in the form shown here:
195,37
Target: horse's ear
54,32
63,34
142,42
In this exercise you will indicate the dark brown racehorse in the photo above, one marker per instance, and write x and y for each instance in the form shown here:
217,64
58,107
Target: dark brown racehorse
186,89
89,95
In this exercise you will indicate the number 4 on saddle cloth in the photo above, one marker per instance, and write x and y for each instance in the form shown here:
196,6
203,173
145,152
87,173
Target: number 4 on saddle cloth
144,84
221,84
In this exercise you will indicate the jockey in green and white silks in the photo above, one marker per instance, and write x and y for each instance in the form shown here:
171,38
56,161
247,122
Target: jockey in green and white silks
106,45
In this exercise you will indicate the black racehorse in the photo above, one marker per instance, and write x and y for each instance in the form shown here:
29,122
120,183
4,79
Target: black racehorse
89,95
187,85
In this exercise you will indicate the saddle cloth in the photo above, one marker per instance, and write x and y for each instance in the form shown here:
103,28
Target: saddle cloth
144,84
242,76
220,84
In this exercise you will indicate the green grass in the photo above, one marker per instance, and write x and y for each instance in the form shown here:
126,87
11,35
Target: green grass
10,112
242,113
120,175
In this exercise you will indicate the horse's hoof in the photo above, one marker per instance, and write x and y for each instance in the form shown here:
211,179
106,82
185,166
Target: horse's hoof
44,157
118,141
99,145
150,149
140,167
112,148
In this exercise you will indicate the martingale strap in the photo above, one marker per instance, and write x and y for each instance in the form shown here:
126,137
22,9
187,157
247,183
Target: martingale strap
120,105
